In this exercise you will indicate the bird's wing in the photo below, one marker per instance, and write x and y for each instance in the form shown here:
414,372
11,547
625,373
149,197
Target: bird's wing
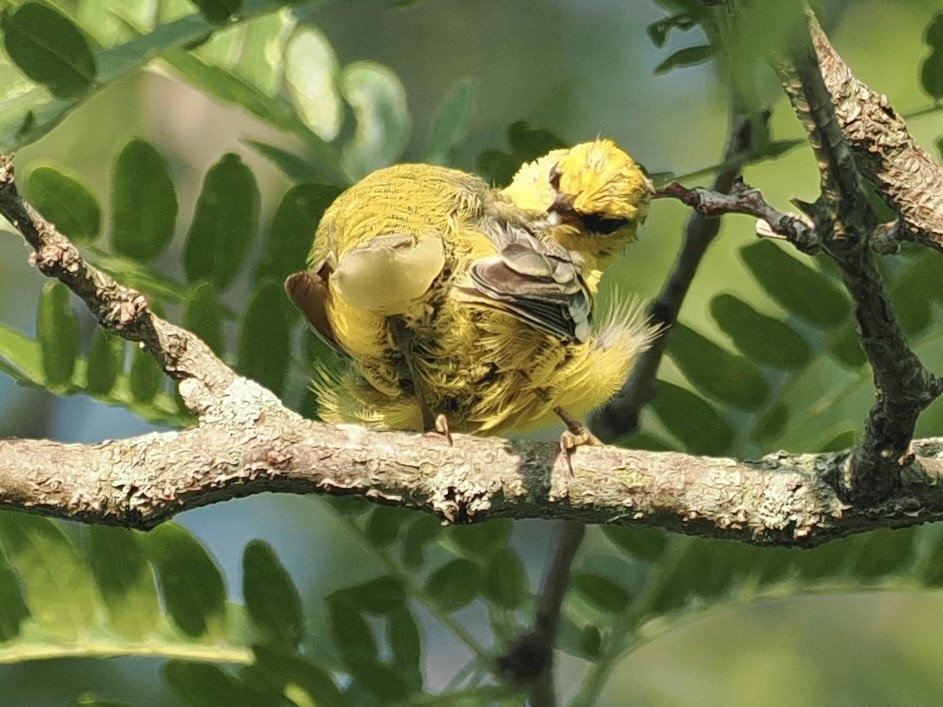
536,281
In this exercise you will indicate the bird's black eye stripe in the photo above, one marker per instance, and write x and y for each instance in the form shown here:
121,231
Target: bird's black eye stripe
594,223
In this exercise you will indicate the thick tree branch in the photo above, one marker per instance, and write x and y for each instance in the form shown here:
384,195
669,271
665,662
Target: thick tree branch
845,223
905,175
782,499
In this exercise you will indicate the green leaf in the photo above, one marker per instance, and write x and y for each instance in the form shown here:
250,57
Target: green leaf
836,441
497,167
13,610
641,439
761,338
105,361
378,101
311,72
230,88
289,671
729,378
689,56
125,581
505,579
884,552
692,420
482,539
202,314
351,633
658,31
144,375
139,276
297,167
88,700
262,62
57,586
65,202
931,70
528,142
704,569
382,681
646,544
57,330
218,11
404,639
27,111
226,219
191,584
381,595
771,422
203,685
143,202
795,286
826,561
591,642
455,584
383,524
271,598
846,348
48,48
450,122
422,530
601,592
293,226
910,295
20,356
932,572
264,339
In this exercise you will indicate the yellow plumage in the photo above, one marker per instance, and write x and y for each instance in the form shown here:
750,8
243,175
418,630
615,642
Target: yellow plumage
453,298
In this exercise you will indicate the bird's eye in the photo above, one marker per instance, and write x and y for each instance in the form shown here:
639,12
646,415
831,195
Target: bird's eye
555,176
595,223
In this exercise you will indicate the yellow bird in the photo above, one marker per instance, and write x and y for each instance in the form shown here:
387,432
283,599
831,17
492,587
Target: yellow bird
456,302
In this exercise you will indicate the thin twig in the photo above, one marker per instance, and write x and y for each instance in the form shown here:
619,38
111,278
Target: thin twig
530,659
744,199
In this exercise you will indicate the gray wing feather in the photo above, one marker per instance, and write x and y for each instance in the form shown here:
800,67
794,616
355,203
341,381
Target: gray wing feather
538,282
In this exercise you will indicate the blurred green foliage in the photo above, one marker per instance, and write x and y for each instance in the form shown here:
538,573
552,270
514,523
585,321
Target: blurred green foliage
208,213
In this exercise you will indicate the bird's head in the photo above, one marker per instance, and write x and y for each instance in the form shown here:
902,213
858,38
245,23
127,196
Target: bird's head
594,195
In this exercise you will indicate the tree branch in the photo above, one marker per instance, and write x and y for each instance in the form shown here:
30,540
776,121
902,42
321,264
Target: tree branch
247,442
140,482
620,415
905,175
120,309
845,223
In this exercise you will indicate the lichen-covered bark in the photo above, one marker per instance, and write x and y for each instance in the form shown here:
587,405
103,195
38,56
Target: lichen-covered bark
253,445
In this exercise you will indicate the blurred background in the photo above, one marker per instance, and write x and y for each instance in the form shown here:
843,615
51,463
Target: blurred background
580,68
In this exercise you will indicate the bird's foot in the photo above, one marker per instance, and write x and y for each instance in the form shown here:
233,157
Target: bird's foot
441,428
576,435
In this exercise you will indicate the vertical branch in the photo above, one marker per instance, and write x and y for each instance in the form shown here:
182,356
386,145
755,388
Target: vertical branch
529,660
846,222
619,416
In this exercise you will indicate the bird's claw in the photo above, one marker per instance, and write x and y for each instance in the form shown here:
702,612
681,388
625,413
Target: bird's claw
570,440
441,427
